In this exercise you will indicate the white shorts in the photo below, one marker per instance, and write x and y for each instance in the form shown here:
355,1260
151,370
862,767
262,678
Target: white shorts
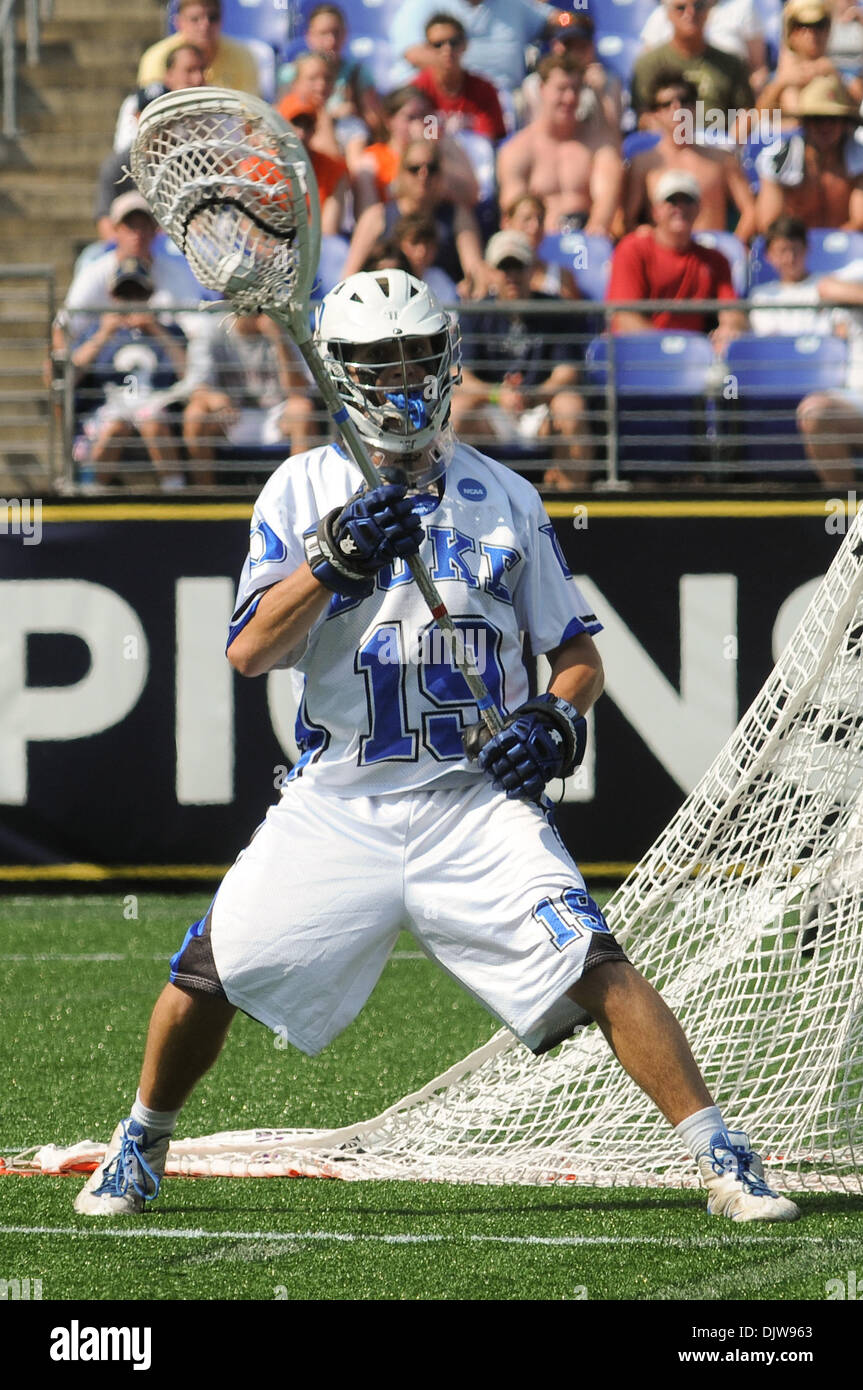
526,427
305,920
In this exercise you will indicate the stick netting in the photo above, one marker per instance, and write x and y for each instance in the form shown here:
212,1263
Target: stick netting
746,913
231,184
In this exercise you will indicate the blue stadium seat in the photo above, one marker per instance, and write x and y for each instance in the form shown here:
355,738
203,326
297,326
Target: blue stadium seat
639,142
771,376
618,54
828,251
588,257
626,18
662,380
734,252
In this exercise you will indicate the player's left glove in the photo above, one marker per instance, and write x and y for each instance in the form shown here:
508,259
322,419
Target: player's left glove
351,543
543,739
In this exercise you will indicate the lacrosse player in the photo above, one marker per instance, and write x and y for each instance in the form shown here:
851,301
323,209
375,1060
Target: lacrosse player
402,810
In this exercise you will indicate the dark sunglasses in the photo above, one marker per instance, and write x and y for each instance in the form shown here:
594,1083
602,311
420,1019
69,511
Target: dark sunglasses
446,43
673,101
810,24
432,166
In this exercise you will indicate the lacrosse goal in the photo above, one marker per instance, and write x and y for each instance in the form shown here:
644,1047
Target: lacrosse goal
746,914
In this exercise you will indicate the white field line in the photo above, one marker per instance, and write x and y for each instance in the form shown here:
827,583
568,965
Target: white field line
351,1237
101,956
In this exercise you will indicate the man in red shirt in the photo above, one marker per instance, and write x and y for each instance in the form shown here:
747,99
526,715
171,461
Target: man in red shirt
664,262
463,100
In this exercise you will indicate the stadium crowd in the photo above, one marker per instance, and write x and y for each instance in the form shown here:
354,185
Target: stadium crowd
514,153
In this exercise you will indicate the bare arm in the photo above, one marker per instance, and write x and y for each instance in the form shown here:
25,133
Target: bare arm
768,205
634,193
576,672
740,191
855,211
283,620
513,170
369,227
606,183
469,245
333,210
628,321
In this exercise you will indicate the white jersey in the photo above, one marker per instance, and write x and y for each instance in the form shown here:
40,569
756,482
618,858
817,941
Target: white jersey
382,706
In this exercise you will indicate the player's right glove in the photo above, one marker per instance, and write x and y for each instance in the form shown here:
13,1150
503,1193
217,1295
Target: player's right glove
351,543
543,739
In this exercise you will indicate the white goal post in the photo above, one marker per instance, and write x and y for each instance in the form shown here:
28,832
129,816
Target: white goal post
747,914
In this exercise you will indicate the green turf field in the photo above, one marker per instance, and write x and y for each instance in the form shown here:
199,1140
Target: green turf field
78,981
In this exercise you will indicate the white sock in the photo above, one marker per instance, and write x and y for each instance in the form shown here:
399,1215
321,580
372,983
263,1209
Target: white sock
155,1122
697,1130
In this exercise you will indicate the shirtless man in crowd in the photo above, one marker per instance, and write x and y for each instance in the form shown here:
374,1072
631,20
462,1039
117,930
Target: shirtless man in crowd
716,171
574,166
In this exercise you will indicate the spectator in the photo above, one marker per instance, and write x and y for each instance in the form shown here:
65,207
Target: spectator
415,238
798,304
245,388
127,361
406,116
802,57
717,172
354,104
664,262
498,32
228,62
722,80
573,167
462,100
601,92
313,85
331,174
419,188
532,408
134,230
184,68
735,26
816,175
526,215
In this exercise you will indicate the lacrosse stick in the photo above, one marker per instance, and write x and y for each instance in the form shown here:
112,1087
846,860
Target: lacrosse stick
231,184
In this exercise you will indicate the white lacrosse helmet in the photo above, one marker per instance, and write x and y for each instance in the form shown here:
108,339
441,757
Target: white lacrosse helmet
394,356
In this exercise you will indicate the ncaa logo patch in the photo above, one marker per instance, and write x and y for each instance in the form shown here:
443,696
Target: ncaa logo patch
472,490
265,545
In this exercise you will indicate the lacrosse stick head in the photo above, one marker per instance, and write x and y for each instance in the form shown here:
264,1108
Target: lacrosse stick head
232,185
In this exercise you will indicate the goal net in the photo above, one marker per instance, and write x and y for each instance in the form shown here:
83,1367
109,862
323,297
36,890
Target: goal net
746,915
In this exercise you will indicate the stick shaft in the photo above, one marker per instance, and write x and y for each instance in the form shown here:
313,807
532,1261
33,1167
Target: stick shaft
357,449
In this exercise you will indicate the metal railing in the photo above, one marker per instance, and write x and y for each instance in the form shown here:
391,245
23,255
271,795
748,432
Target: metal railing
661,408
30,428
35,13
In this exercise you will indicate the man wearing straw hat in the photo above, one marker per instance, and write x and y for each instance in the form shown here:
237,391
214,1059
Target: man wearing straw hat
816,175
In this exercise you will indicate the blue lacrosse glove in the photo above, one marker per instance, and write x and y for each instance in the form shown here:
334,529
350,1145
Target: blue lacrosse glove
351,543
543,739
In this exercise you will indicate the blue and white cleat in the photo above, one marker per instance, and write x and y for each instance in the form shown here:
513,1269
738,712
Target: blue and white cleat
129,1175
734,1178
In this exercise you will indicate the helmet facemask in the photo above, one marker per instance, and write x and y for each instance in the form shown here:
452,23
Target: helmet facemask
394,356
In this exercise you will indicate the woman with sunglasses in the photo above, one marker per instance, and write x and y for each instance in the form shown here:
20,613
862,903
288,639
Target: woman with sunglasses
420,188
803,56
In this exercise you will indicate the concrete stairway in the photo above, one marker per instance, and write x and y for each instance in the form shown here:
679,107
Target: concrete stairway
67,109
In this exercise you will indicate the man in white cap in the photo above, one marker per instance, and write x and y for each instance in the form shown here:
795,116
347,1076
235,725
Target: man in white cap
528,410
135,230
664,262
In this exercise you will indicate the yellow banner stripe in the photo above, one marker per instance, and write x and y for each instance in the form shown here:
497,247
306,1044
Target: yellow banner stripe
90,873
